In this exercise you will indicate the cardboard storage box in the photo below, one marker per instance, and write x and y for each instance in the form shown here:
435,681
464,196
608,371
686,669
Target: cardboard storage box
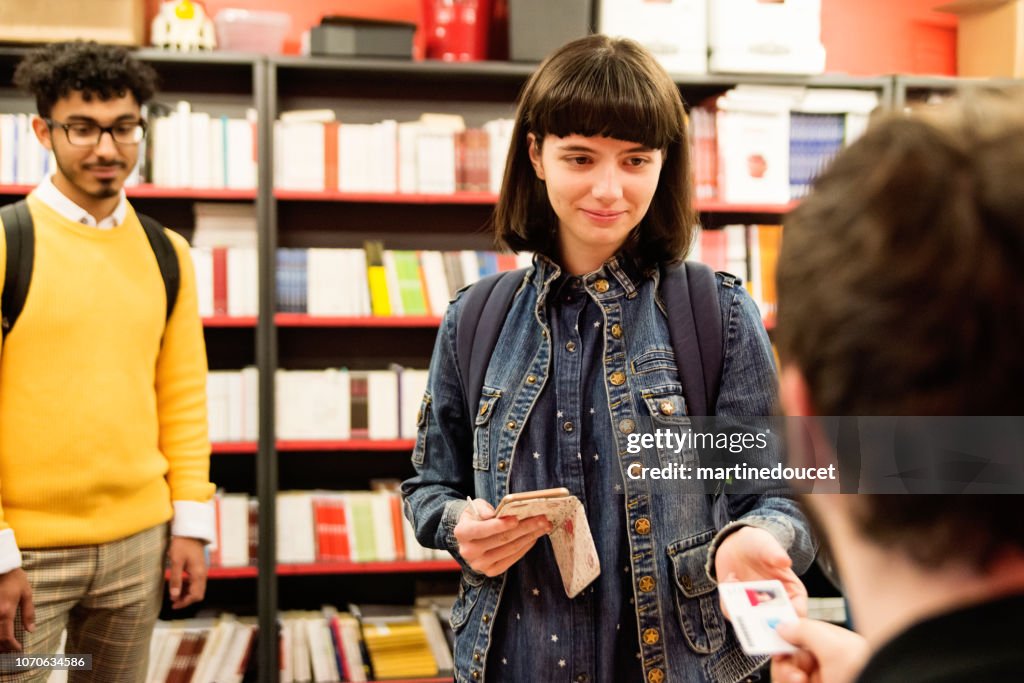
755,36
990,37
105,21
675,31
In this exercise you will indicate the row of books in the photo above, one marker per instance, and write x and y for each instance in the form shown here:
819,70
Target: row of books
766,144
383,282
366,642
750,252
340,282
320,527
436,154
329,404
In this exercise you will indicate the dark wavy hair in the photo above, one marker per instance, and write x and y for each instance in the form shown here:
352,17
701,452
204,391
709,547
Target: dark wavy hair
54,71
600,86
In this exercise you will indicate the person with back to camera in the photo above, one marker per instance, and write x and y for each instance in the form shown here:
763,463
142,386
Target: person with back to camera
918,229
104,453
597,184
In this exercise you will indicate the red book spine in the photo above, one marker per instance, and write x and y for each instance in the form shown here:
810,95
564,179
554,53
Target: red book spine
220,280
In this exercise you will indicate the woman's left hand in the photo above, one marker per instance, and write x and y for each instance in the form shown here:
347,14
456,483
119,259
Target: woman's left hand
753,554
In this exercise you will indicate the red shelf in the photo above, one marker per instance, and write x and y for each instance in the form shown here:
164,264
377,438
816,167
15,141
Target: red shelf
303,320
226,321
482,198
712,206
348,445
232,573
156,192
250,447
366,567
244,447
336,568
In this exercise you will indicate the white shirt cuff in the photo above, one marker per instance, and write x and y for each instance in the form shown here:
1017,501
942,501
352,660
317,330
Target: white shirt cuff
10,556
193,519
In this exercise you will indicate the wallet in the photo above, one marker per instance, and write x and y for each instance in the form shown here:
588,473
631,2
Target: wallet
571,540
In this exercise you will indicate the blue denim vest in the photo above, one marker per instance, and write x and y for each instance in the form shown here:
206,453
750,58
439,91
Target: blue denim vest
462,452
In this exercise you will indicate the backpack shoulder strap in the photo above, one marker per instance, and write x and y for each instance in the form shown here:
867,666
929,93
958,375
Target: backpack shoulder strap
690,294
166,258
20,236
482,315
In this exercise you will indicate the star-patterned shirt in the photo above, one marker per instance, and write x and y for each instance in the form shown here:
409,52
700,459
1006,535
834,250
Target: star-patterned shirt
540,634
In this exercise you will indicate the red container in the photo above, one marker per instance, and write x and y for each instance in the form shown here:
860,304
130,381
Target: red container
456,30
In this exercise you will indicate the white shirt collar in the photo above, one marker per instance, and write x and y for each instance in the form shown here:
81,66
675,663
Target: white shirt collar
48,193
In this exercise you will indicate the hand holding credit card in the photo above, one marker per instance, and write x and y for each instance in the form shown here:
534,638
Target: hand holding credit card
755,609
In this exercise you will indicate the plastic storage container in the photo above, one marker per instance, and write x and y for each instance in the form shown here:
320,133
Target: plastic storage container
245,30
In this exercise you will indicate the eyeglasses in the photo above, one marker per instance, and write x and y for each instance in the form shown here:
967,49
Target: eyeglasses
89,133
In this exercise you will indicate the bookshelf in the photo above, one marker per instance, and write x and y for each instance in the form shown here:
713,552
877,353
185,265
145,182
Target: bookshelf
360,91
917,89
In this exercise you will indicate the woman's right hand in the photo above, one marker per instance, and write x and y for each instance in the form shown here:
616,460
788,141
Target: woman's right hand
489,544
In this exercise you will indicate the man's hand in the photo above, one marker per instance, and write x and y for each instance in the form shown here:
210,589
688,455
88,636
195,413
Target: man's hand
15,593
491,545
827,654
186,554
753,554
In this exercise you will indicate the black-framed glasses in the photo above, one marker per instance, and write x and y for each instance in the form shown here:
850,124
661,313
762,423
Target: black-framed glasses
89,133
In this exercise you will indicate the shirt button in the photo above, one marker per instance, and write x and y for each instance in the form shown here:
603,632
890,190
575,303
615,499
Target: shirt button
601,286
642,525
655,676
617,378
687,583
567,426
476,657
487,618
666,407
582,678
475,674
651,636
627,426
501,465
511,424
531,379
646,584
570,347
617,331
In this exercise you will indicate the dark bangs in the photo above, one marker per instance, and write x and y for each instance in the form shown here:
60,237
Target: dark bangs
607,97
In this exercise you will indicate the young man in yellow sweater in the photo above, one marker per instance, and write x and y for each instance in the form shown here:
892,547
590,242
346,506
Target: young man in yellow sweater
104,453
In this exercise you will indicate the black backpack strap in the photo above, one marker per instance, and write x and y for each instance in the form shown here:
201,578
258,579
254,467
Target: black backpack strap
20,258
166,258
690,295
482,315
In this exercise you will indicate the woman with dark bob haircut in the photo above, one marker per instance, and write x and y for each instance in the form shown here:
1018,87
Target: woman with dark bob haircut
597,184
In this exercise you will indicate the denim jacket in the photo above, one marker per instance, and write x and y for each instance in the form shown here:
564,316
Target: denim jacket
462,453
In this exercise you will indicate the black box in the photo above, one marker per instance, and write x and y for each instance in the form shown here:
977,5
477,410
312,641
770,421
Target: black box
352,37
537,27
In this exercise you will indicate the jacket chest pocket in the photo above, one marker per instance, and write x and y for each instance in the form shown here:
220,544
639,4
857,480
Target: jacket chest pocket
696,594
667,412
483,427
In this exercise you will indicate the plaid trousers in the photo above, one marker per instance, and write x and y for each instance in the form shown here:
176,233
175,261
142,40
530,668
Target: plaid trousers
107,596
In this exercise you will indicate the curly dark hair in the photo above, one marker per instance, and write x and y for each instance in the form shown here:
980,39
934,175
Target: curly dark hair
105,71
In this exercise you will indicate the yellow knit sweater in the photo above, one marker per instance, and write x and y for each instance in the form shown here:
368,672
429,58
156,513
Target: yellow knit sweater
101,425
